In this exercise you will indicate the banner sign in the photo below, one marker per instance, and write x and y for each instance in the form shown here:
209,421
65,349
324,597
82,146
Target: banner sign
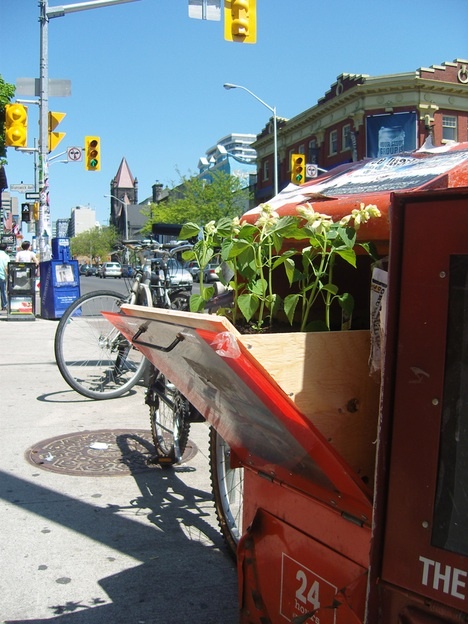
390,134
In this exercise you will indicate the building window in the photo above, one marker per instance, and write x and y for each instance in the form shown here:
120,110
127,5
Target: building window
346,138
266,170
449,128
333,144
313,152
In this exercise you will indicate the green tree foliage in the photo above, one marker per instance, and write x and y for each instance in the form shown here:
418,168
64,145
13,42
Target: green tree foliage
200,201
94,243
7,91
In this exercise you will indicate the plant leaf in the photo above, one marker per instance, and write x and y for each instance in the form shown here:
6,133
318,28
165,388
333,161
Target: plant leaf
290,304
349,255
197,303
248,305
347,303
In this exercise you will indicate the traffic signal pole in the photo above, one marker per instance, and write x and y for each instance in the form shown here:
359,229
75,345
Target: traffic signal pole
44,227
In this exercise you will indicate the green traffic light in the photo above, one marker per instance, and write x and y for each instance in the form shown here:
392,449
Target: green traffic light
93,163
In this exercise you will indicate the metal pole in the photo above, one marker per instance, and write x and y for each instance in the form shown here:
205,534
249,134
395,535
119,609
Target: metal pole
228,85
44,225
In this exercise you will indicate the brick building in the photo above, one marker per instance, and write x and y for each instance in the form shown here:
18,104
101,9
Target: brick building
362,116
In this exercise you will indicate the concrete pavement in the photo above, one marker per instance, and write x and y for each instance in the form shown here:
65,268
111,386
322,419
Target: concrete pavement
135,548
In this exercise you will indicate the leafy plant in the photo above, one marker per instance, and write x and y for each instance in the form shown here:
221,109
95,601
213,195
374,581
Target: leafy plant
304,247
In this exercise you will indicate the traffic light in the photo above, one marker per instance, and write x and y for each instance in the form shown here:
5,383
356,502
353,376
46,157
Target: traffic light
36,211
298,168
240,20
25,213
93,153
16,125
55,137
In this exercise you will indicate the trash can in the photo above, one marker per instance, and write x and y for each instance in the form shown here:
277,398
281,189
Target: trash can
60,286
21,291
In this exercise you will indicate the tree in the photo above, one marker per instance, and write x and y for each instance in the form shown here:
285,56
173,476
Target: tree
200,201
7,91
94,243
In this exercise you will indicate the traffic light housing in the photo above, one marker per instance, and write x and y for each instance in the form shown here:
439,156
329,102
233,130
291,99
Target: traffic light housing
36,209
54,137
92,153
25,213
298,168
240,20
16,125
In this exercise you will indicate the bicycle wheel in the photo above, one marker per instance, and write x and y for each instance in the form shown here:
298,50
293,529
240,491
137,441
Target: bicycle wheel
228,491
94,358
169,418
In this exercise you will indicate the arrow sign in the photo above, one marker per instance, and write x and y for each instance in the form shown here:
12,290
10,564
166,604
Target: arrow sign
74,154
311,171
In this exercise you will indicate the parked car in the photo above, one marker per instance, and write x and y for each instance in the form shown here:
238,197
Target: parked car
111,269
193,268
83,269
91,270
210,273
179,275
127,270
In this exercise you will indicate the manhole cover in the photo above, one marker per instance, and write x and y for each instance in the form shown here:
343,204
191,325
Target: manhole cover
106,452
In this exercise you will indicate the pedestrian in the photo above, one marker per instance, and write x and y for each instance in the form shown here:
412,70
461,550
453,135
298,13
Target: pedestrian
26,255
4,260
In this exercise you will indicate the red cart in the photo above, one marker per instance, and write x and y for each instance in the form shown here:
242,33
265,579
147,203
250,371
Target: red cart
355,485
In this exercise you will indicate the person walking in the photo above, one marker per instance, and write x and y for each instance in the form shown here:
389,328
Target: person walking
26,255
4,260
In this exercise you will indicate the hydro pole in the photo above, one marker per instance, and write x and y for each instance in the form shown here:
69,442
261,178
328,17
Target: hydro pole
45,223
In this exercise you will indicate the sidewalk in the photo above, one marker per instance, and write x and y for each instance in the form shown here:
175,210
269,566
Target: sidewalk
126,544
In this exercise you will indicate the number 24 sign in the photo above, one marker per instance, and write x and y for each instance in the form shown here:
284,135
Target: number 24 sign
303,591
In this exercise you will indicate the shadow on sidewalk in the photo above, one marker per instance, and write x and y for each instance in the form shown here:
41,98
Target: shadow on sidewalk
185,574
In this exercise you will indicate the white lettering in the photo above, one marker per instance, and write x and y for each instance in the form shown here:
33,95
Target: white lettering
439,576
426,563
444,578
456,583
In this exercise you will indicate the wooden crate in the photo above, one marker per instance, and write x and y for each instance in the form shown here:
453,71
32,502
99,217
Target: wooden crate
327,376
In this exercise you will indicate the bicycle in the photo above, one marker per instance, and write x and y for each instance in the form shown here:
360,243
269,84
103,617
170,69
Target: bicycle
93,357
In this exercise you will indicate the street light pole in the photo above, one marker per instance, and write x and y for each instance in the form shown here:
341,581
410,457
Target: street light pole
228,85
46,13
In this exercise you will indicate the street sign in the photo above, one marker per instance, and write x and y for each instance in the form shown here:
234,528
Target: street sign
58,87
311,171
34,196
74,154
21,188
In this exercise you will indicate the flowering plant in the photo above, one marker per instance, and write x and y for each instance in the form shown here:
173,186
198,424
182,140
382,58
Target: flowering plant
304,247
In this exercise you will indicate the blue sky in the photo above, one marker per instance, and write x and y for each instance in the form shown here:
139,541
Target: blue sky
149,80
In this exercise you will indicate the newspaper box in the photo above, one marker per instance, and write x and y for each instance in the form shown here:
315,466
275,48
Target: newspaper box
371,526
21,291
60,286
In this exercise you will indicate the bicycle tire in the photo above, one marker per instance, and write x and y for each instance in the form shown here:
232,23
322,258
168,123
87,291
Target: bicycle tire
92,356
228,491
169,419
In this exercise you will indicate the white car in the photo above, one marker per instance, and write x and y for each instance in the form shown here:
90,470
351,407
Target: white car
111,269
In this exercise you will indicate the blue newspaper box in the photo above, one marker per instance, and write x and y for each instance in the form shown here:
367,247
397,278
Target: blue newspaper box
61,249
60,286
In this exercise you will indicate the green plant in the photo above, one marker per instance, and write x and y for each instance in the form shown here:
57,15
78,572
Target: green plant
305,247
